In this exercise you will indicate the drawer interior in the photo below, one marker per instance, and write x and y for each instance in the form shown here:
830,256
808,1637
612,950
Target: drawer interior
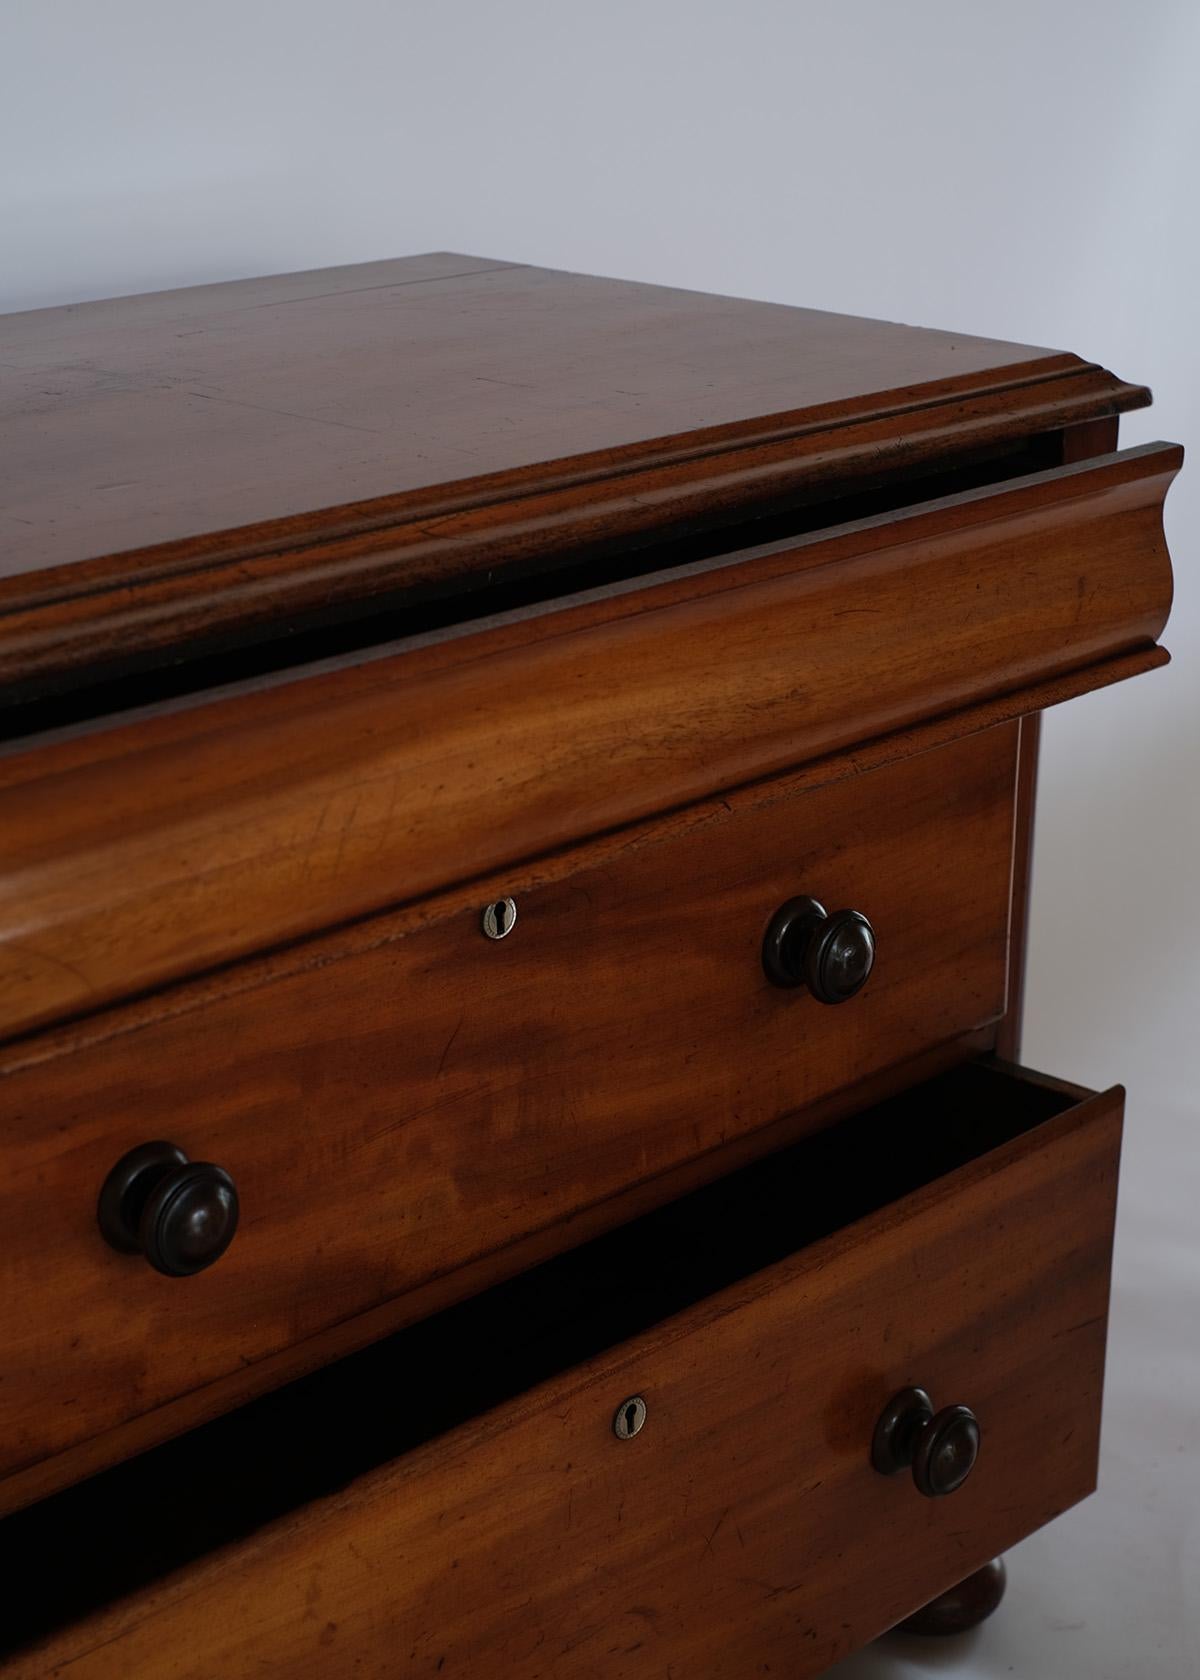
129,1526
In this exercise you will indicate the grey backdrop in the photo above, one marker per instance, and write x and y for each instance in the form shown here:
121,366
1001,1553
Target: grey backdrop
1025,170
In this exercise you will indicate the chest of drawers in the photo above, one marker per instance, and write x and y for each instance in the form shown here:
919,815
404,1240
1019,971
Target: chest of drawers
514,846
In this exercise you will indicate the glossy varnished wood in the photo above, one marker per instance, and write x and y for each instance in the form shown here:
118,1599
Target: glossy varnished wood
49,1476
407,1102
743,1528
247,920
192,462
142,852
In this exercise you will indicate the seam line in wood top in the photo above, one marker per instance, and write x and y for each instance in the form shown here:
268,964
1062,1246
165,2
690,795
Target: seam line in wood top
357,291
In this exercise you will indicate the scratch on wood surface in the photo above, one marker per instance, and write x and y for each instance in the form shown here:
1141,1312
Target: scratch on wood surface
449,1043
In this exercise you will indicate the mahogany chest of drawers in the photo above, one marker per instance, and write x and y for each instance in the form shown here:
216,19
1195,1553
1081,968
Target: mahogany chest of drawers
515,820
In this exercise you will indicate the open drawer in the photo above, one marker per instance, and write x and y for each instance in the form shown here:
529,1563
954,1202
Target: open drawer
458,1500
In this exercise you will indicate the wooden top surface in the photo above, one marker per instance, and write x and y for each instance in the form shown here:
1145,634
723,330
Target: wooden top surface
168,436
148,419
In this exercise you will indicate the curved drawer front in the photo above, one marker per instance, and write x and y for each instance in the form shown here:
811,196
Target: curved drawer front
742,1527
416,1098
165,846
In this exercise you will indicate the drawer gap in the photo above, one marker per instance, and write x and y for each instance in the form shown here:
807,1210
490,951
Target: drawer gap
364,626
130,1525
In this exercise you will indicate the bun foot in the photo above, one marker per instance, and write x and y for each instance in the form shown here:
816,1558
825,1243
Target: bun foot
962,1607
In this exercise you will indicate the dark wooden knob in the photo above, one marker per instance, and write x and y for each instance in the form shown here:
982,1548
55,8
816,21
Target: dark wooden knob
180,1214
941,1447
830,953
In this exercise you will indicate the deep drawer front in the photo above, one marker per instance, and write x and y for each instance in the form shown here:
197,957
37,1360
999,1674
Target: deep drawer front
430,1097
744,1528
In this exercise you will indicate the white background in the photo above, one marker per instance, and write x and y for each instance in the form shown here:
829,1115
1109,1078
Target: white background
1025,170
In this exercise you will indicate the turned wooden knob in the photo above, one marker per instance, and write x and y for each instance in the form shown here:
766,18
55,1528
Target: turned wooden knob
832,953
940,1447
180,1214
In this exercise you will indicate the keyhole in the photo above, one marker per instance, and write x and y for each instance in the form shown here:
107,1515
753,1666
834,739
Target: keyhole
499,918
631,1415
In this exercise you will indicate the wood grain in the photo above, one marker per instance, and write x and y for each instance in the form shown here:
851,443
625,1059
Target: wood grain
743,1529
164,846
186,1412
188,462
400,1109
